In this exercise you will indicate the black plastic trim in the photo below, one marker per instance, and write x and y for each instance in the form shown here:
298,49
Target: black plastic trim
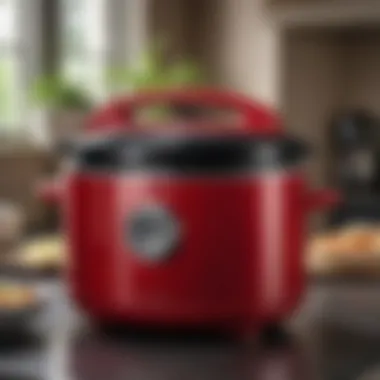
196,154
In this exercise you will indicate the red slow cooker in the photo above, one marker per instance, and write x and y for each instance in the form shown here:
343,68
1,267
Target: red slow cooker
187,227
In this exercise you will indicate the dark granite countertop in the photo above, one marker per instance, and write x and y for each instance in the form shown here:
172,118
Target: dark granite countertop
335,335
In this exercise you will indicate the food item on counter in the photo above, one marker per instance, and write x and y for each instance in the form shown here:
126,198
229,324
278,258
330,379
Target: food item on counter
16,296
11,220
353,247
11,225
42,253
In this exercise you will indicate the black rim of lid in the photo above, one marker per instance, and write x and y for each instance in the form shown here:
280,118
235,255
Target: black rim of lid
189,154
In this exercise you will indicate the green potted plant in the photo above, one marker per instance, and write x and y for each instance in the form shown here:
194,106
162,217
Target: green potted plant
152,72
67,105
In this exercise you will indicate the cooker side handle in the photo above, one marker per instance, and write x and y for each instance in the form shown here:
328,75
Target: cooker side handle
49,191
323,199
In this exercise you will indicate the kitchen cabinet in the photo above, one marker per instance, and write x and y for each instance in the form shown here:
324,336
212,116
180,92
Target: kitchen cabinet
325,71
292,13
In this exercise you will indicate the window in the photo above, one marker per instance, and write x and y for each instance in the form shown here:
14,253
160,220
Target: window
84,45
95,35
98,35
18,61
10,94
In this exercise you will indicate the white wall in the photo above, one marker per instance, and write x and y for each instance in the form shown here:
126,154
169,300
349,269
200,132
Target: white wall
250,50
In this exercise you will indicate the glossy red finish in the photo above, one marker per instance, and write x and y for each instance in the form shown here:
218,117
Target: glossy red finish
118,115
239,259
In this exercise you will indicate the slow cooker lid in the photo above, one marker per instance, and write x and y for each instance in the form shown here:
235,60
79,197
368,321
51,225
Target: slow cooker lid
188,153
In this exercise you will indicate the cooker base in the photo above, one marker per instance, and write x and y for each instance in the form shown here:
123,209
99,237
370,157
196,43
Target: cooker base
138,332
273,334
267,329
268,335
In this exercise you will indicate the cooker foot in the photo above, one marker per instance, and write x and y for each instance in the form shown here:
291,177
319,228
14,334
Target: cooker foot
156,333
243,334
274,334
110,329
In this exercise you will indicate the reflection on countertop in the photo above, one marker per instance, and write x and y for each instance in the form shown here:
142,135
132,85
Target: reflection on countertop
335,336
97,357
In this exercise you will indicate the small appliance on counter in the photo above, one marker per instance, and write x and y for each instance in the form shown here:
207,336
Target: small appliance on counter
187,224
354,143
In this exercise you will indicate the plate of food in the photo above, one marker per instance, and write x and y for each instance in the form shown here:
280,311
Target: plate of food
20,304
41,256
351,250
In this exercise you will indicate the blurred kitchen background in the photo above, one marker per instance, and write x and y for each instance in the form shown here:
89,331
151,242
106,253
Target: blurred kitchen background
316,61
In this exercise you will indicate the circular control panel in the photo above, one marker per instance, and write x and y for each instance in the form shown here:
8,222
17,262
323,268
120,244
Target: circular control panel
153,233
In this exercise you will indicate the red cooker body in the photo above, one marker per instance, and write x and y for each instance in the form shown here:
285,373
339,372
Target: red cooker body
239,259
